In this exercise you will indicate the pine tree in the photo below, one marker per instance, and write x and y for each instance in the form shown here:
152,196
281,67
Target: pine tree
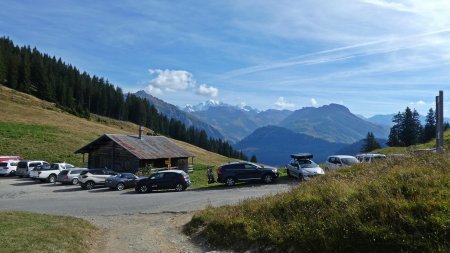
370,143
394,135
429,131
253,159
411,128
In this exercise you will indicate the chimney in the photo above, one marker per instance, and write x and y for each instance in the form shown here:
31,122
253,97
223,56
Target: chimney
141,129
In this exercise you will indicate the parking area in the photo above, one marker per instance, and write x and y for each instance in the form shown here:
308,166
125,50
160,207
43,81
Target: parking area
28,195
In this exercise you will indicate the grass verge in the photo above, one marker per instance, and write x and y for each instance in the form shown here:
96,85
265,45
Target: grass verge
31,232
399,205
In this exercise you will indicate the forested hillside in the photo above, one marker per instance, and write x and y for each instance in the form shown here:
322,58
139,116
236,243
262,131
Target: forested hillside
30,71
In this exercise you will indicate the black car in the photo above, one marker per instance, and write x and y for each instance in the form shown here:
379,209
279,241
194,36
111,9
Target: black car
168,179
122,181
230,173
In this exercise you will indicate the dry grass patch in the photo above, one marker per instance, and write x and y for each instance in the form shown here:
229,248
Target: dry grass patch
32,232
390,206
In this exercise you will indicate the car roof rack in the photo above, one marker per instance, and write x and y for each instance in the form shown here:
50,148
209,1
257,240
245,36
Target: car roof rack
302,156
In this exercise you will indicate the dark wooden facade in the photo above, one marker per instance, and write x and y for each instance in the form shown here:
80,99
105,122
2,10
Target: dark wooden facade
107,153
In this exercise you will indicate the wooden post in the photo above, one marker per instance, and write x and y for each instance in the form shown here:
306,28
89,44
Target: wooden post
437,123
440,122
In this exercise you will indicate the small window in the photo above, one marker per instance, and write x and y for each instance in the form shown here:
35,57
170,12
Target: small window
34,165
75,171
249,167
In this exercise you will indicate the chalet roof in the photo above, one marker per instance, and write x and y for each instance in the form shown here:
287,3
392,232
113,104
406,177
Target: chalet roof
148,147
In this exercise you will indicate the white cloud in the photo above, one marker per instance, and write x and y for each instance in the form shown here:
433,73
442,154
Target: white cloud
208,91
153,90
418,103
313,101
283,104
171,80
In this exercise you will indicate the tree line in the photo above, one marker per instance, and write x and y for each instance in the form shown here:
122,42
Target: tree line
407,130
30,71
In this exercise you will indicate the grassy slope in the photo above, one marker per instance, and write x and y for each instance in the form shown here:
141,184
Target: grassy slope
402,150
35,129
391,206
30,232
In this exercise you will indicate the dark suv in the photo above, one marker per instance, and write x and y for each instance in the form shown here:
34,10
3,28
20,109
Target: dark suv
230,173
167,179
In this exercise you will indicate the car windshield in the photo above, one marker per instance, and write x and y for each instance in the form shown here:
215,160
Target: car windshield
307,164
349,160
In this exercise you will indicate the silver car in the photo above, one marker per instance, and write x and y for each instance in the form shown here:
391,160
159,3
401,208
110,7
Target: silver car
69,176
302,167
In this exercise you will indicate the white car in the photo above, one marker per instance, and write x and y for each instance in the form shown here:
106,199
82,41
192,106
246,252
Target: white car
302,167
369,158
88,179
49,173
338,161
8,168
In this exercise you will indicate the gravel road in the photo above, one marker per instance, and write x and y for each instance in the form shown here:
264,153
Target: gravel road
129,222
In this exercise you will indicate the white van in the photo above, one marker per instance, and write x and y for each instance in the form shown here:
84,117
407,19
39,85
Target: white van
338,161
369,158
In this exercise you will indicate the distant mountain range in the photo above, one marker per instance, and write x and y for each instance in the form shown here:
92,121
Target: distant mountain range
334,123
273,145
173,112
273,135
235,122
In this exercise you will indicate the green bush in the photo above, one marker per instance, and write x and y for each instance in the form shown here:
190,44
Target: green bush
400,205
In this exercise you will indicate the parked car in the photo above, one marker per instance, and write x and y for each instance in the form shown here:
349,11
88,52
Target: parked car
122,181
88,179
8,168
168,179
338,161
230,173
24,167
49,173
369,158
69,176
302,167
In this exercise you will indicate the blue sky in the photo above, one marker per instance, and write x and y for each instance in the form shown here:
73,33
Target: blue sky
373,56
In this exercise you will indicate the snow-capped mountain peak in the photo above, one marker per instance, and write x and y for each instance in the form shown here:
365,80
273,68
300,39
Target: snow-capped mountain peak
204,106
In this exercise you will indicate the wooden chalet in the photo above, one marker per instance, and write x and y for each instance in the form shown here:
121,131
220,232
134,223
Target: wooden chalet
130,152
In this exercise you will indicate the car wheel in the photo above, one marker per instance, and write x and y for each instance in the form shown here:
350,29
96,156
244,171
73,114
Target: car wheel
268,179
230,181
52,179
142,189
90,185
179,187
21,176
12,173
75,181
120,186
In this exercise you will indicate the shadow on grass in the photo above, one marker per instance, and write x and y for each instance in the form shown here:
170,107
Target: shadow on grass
282,180
72,189
24,183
